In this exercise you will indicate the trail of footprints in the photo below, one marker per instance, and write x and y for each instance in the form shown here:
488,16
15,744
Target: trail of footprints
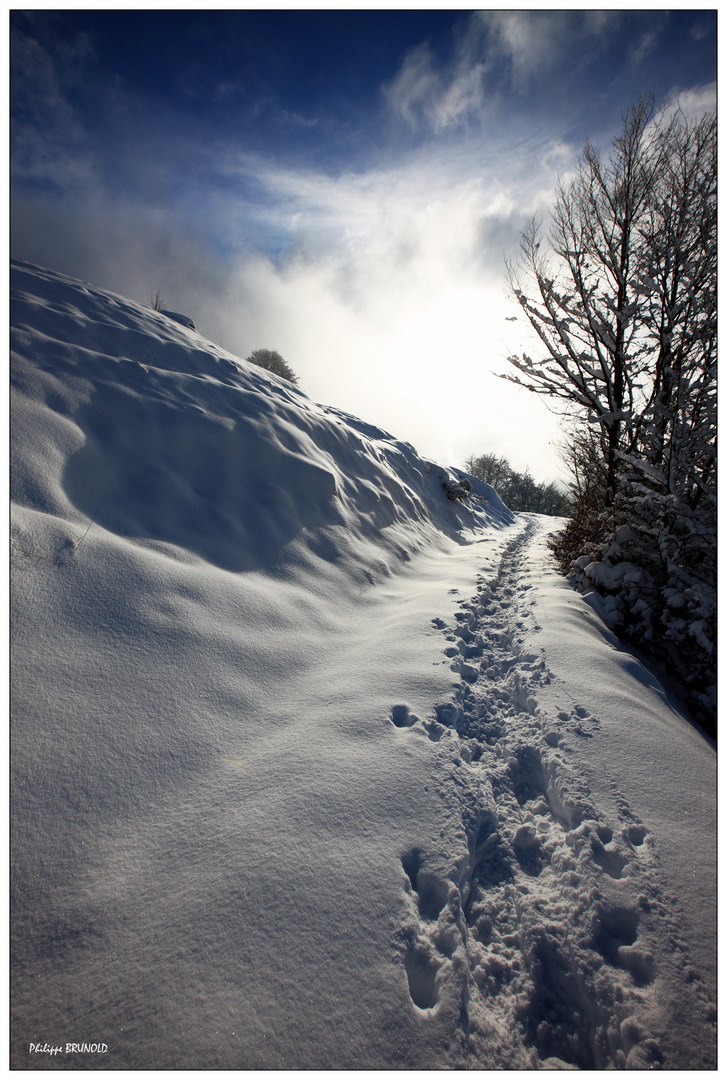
537,935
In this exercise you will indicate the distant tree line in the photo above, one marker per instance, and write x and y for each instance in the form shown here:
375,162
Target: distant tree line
622,295
517,490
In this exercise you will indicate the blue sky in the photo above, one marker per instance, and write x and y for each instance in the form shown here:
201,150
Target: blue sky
341,186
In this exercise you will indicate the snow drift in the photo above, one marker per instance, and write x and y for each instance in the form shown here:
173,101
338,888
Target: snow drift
314,765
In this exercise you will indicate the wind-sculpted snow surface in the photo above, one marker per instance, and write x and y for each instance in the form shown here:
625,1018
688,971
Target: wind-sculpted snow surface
162,438
314,767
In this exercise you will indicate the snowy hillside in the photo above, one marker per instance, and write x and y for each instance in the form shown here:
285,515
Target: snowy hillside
314,767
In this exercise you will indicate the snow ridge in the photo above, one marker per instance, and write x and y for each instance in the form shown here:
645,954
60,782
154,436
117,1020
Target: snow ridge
164,439
550,937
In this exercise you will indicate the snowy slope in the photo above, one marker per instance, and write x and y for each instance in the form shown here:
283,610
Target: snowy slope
312,766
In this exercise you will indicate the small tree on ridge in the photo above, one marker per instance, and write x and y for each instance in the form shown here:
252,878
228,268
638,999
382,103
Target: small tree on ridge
272,361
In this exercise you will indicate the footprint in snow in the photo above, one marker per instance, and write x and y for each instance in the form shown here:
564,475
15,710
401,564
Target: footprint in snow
580,722
467,672
606,855
401,717
615,931
430,938
635,834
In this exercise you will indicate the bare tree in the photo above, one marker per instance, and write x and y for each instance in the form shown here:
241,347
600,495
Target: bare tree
676,274
517,490
584,307
622,296
580,452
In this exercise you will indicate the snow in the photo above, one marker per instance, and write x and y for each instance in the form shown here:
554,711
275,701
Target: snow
314,767
176,317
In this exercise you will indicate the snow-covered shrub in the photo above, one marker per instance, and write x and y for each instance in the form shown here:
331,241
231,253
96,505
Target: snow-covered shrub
652,557
272,361
457,489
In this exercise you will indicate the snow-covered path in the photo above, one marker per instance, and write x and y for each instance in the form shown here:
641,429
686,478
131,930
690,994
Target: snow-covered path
313,767
424,851
588,898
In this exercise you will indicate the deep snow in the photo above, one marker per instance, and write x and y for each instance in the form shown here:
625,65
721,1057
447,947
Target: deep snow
313,767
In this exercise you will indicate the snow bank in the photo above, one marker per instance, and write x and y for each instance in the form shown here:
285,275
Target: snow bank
172,443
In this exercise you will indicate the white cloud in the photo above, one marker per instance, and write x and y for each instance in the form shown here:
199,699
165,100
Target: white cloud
557,156
389,300
701,28
538,43
529,38
423,95
646,45
416,85
50,144
496,58
695,101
